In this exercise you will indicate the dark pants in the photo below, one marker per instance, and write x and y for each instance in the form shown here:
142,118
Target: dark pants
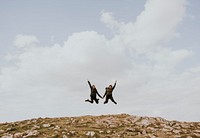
111,98
92,99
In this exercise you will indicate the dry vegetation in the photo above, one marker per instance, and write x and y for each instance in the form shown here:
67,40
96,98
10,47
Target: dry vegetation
104,126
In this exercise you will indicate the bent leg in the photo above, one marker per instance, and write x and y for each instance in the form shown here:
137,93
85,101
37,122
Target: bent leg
91,101
96,100
106,101
112,99
93,97
107,98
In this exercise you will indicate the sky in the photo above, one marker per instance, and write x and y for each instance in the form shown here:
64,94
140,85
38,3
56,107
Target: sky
49,49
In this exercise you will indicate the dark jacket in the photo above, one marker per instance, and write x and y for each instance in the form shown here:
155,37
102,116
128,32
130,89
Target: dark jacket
109,90
93,90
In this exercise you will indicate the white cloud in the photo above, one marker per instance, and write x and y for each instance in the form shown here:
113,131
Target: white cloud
154,26
24,40
110,21
52,81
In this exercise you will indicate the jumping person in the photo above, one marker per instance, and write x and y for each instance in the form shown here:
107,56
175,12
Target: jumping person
108,93
93,94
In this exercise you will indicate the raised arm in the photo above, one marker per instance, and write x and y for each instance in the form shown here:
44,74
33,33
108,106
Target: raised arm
90,84
114,85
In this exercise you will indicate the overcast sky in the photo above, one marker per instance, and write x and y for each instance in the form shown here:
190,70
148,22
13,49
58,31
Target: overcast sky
49,49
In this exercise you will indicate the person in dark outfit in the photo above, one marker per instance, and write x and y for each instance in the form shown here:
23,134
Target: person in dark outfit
108,93
93,94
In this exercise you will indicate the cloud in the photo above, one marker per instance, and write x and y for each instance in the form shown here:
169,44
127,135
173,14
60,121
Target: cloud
24,40
154,26
52,80
110,21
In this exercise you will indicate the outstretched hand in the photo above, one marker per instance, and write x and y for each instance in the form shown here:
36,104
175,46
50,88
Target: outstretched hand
116,81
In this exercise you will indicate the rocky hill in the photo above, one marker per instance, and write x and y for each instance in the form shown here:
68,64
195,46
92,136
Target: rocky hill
104,126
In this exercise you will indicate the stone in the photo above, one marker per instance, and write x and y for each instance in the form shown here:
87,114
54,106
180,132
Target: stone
135,119
72,132
1,131
90,133
197,135
176,131
108,126
64,136
197,131
9,129
35,127
56,128
46,125
151,136
184,126
168,128
108,131
130,129
7,136
143,122
144,132
31,133
101,132
18,135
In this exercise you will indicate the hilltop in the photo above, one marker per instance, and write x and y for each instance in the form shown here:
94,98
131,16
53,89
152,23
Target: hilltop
104,126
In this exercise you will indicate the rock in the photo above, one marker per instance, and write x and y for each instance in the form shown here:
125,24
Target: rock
18,135
90,133
151,136
108,126
165,130
168,128
177,126
176,131
143,122
130,129
108,131
30,133
197,135
144,132
64,136
184,126
35,127
10,129
46,125
197,131
7,136
71,133
63,132
134,119
29,122
34,120
113,126
56,128
101,132
1,131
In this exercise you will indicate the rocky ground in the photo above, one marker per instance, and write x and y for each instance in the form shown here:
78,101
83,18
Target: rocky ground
104,126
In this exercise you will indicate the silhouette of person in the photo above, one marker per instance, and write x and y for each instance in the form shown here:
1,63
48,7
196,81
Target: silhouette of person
108,93
93,94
